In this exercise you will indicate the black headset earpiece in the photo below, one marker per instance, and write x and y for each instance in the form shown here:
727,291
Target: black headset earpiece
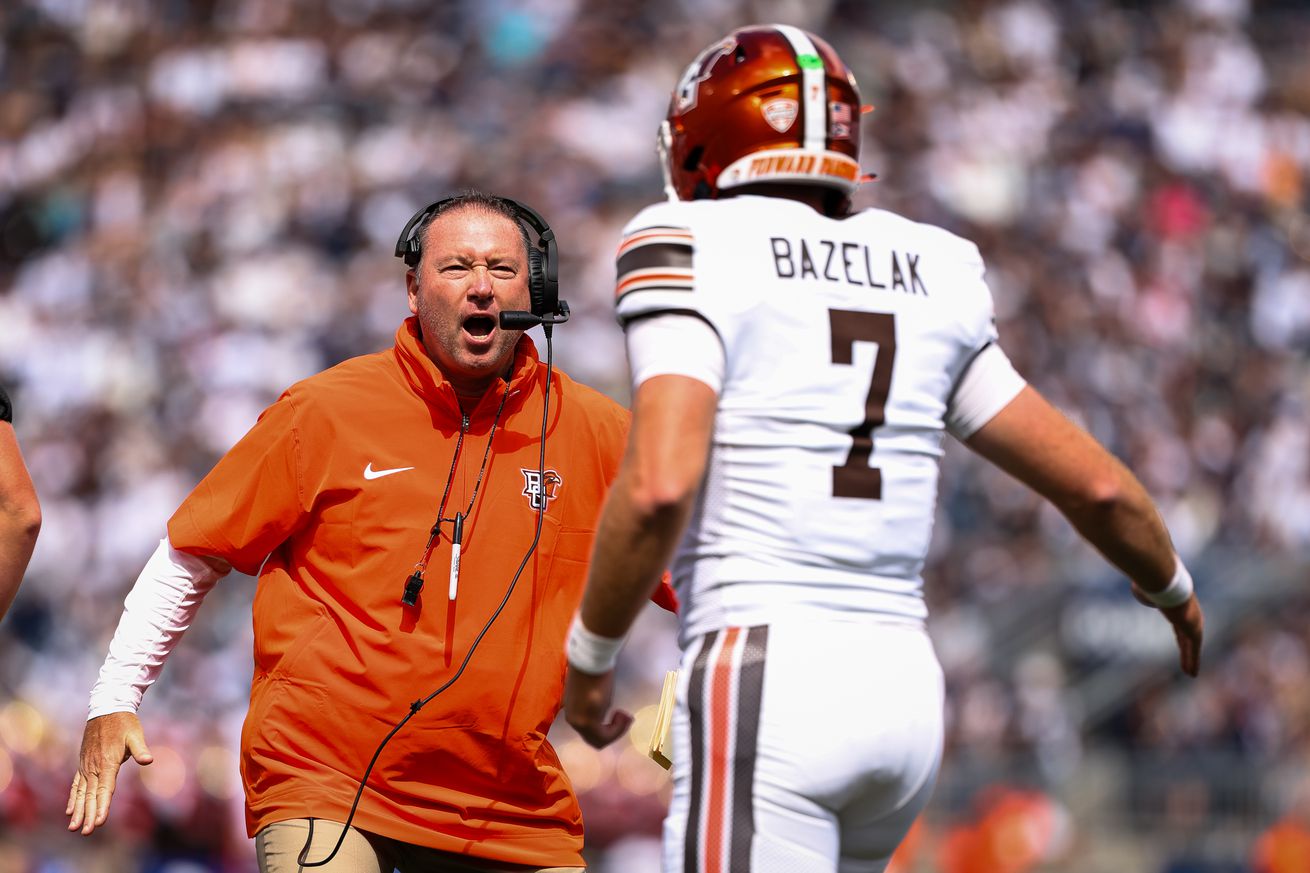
408,248
543,278
536,281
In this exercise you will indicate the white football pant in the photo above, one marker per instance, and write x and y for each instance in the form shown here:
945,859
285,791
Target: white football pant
802,747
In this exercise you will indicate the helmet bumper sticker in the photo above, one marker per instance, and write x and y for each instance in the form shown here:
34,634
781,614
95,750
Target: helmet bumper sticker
839,120
780,113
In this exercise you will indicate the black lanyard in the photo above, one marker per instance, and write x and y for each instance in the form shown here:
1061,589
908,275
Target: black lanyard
414,584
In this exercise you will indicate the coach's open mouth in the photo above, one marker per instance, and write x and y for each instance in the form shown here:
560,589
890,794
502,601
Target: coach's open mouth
479,326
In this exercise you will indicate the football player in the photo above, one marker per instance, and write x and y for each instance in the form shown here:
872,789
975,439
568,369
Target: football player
796,368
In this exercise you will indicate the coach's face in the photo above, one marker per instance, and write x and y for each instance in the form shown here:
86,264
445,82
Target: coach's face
474,265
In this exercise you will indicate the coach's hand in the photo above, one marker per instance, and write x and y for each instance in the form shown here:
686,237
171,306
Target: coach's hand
587,700
107,742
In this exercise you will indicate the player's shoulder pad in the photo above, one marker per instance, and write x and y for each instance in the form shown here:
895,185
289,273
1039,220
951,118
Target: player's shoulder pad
656,251
933,239
949,264
675,214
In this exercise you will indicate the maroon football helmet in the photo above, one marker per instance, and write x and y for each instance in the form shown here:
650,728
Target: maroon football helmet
769,103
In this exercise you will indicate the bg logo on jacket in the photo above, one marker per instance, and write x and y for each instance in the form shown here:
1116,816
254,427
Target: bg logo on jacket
538,496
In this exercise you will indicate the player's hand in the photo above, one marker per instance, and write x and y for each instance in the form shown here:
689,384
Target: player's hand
587,700
1189,627
107,742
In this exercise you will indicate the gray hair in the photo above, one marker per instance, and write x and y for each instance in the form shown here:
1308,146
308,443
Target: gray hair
471,199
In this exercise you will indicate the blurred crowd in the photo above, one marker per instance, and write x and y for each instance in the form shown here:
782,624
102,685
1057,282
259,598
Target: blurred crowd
198,202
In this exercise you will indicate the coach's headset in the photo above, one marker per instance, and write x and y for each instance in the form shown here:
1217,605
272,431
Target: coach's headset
547,310
543,261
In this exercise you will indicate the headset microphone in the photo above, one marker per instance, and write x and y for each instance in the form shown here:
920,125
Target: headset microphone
521,319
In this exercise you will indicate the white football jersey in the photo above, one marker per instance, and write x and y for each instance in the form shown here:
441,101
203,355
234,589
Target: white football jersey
843,341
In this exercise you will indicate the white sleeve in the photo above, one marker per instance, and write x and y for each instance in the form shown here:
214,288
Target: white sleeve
158,610
675,344
986,387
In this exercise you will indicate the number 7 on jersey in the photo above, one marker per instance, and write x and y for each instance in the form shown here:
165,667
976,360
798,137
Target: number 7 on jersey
856,478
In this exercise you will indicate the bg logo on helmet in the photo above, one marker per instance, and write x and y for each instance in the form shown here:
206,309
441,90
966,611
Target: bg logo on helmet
698,71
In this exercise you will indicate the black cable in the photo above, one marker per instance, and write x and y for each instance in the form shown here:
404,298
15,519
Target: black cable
482,468
414,584
419,704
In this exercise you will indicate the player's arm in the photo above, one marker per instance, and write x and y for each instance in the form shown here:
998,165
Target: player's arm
652,498
663,596
158,610
20,515
678,365
644,515
1106,503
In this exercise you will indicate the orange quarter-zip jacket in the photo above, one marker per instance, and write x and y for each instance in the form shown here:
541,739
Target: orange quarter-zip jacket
330,499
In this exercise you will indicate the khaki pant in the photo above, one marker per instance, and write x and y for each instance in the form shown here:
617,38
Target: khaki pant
278,846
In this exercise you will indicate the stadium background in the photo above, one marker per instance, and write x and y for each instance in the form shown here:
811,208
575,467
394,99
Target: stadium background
197,206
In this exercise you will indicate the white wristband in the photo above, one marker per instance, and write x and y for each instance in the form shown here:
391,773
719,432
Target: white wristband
589,652
1176,593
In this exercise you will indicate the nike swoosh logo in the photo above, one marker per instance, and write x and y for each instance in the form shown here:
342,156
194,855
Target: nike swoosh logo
370,473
